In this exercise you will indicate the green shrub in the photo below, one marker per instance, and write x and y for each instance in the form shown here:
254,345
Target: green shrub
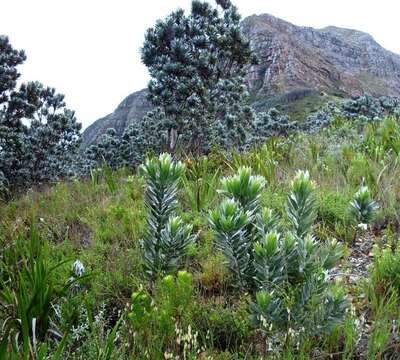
363,207
300,204
224,328
214,275
333,215
296,300
383,138
234,222
385,272
200,183
166,235
157,322
30,288
361,169
230,224
383,337
332,207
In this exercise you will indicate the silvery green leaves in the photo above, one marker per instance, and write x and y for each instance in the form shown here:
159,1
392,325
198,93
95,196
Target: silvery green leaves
175,238
107,151
127,149
162,179
230,223
365,108
267,220
244,188
287,258
287,266
363,207
271,123
39,136
234,222
300,208
10,58
369,108
167,237
273,257
197,63
296,298
165,254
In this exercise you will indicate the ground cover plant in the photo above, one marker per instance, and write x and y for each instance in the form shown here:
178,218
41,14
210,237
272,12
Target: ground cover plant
293,255
206,230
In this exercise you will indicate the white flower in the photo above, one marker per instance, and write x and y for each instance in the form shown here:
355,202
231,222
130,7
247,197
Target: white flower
78,268
362,226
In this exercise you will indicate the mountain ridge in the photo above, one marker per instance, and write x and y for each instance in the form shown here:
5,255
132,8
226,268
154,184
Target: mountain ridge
299,66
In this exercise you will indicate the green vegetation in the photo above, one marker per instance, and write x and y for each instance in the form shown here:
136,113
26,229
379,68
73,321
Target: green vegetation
166,237
233,255
277,240
39,135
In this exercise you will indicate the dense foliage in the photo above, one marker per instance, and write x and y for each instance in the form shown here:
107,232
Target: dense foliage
229,255
286,263
197,63
167,237
145,137
39,136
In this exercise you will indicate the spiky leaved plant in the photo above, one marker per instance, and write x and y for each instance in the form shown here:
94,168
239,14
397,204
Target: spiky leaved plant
296,299
363,207
166,236
244,188
299,207
174,239
31,287
267,220
230,223
234,222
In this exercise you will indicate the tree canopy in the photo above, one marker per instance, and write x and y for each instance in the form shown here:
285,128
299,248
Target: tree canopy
197,64
39,135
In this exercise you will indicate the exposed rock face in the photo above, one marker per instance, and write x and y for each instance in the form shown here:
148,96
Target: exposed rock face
294,63
131,109
331,60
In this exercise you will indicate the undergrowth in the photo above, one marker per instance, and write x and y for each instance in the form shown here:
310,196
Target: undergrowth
287,251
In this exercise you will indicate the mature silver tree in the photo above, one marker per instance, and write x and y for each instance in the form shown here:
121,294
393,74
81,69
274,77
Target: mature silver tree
197,64
39,136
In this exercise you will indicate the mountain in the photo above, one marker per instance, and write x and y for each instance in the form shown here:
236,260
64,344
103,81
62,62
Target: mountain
300,69
131,109
330,60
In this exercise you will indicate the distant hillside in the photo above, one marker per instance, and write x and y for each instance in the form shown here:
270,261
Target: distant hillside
300,69
131,109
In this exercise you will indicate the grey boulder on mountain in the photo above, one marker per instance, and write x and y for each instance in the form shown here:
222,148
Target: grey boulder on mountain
300,69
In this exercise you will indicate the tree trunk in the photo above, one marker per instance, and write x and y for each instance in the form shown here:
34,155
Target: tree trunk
172,139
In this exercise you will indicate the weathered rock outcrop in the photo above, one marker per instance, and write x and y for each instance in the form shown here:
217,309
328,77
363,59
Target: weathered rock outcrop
295,64
332,60
131,109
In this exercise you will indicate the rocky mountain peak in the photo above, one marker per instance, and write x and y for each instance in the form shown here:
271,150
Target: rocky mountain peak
331,59
295,63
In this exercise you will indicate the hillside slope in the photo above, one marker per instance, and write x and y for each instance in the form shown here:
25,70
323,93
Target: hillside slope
332,60
339,284
300,68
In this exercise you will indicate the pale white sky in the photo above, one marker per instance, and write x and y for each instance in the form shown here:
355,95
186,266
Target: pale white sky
89,49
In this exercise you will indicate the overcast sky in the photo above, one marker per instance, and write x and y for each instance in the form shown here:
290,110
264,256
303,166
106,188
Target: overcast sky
89,49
